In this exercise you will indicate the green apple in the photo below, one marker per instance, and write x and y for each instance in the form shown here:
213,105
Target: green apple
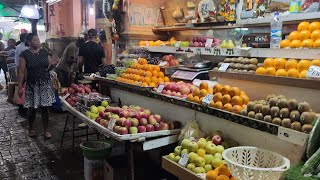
191,166
177,151
217,155
208,158
209,142
208,167
177,158
199,161
101,108
193,147
219,149
105,103
185,143
93,116
94,109
211,148
199,170
216,162
171,156
184,151
192,157
88,113
202,143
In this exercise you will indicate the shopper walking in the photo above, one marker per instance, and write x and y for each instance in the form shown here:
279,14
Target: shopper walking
34,63
91,55
8,54
3,64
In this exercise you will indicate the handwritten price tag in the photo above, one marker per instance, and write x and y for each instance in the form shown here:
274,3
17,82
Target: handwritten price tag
160,88
198,51
207,99
66,96
178,43
111,124
313,72
184,159
216,52
202,175
162,63
208,43
224,67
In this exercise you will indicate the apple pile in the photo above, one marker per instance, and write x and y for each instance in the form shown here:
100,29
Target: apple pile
204,154
94,110
170,60
133,119
74,90
178,89
200,41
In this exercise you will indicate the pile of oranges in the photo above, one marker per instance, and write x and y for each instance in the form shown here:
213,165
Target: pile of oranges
158,42
286,68
228,98
143,74
306,36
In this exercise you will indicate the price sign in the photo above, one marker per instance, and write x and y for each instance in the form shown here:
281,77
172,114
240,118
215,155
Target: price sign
178,43
198,51
216,52
313,72
224,67
160,88
208,50
184,159
230,52
207,99
66,96
162,63
208,43
111,124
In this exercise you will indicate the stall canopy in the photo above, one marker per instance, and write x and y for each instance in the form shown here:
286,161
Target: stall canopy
12,8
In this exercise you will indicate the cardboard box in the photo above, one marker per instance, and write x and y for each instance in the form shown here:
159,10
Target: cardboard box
94,169
116,168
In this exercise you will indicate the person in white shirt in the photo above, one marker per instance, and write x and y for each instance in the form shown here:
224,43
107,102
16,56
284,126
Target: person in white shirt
20,48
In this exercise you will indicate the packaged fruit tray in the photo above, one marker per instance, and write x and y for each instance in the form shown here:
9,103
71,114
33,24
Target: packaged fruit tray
109,133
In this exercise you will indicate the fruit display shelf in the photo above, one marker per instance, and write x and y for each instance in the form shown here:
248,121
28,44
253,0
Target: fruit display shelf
287,81
281,132
179,171
105,131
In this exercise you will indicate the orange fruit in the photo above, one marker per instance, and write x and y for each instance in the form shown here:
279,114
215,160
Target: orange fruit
293,73
316,62
148,74
152,84
196,92
235,91
160,80
314,26
307,43
227,107
268,62
154,79
291,64
190,97
142,43
303,65
212,175
143,61
156,67
303,74
316,44
217,88
243,93
303,26
279,63
222,177
223,170
217,97
236,109
218,105
144,84
281,72
261,70
147,80
203,93
294,35
211,103
149,67
204,85
225,89
166,79
134,66
139,66
315,35
245,99
236,100
305,34
161,74
196,99
244,106
226,99
270,71
155,73
295,44
210,90
284,43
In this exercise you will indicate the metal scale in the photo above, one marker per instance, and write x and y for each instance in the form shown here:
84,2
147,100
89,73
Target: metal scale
193,71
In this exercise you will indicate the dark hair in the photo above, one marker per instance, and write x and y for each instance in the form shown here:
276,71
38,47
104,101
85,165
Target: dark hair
92,33
23,37
12,40
80,41
29,38
102,35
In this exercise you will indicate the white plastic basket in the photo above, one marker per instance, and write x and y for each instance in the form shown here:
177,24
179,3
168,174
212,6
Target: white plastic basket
246,163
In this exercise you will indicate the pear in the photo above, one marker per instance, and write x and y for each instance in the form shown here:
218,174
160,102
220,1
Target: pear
230,45
223,44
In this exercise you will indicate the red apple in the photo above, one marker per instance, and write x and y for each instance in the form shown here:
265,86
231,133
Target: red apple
126,123
123,130
120,120
157,117
164,126
164,91
157,127
101,113
116,129
134,122
106,115
71,90
149,127
143,121
147,111
142,129
216,139
124,114
98,119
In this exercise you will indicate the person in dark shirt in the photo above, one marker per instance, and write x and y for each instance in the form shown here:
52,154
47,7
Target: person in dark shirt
91,54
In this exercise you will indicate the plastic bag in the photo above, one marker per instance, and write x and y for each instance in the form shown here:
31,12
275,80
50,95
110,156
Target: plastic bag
191,130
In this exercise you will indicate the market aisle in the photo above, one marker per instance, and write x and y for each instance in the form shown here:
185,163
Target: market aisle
22,157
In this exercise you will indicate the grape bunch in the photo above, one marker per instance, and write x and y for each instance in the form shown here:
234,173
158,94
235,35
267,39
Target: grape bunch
154,60
140,52
120,70
106,69
128,63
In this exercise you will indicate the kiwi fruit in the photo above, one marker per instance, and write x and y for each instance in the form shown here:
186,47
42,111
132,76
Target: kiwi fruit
286,122
303,107
276,121
250,106
284,113
238,60
219,64
252,67
241,66
216,68
268,118
244,112
233,60
270,96
260,64
246,60
229,70
281,96
263,102
296,126
274,111
257,108
265,110
251,71
295,115
307,117
273,101
282,103
238,65
254,61
232,65
227,60
245,67
292,104
251,114
306,128
245,71
259,116
235,71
